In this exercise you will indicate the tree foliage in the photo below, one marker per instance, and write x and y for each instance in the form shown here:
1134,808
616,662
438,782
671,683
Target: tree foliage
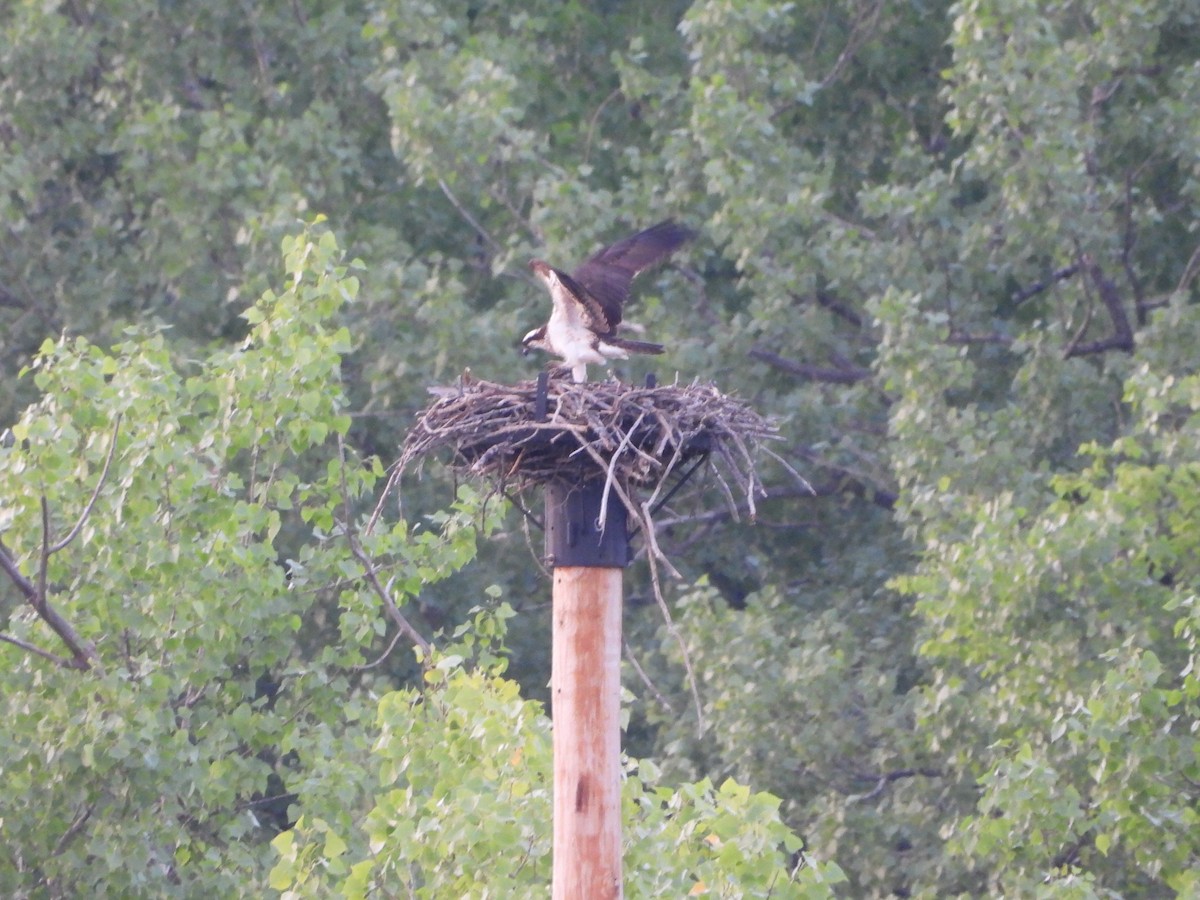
951,246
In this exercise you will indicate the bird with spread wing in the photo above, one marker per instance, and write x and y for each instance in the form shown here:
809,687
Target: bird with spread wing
587,303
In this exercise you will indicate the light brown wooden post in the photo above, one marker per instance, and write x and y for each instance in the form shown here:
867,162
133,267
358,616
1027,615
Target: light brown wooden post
586,707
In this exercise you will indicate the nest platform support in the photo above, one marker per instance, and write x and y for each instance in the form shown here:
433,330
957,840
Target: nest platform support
603,452
587,543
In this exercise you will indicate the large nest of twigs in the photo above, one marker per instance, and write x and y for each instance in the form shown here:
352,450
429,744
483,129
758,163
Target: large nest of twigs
635,437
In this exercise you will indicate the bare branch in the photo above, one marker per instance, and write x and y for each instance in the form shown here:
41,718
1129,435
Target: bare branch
83,652
860,33
653,555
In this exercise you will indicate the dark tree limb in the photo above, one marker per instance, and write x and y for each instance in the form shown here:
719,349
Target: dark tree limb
76,826
828,301
883,779
83,652
1121,337
830,375
1038,286
37,594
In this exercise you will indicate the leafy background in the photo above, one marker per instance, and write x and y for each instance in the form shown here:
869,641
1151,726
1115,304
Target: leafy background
951,246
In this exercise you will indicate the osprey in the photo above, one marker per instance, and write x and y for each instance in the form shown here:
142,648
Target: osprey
587,303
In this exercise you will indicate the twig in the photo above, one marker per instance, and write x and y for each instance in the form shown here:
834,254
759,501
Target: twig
1190,270
381,592
666,704
388,603
612,468
587,144
61,661
386,653
672,629
87,510
471,220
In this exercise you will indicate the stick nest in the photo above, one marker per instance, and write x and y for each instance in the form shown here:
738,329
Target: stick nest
633,436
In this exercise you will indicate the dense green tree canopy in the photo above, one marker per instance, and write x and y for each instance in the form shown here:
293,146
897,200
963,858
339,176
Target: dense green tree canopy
951,247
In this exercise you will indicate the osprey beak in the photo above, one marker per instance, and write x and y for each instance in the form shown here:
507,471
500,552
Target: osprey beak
529,341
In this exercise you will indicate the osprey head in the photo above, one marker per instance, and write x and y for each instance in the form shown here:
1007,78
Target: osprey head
541,270
535,340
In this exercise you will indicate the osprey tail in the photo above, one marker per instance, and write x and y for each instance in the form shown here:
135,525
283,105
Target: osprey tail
635,346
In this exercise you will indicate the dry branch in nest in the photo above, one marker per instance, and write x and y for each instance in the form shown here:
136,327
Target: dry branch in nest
636,438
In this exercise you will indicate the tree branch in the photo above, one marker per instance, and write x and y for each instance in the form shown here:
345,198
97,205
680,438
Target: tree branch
381,592
363,667
470,219
24,585
44,654
87,510
83,652
81,819
838,308
1038,286
1122,334
883,779
838,375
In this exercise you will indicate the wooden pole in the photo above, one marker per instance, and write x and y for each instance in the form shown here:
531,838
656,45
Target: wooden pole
586,698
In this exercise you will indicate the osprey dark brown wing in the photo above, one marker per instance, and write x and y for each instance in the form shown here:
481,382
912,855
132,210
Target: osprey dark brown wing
606,277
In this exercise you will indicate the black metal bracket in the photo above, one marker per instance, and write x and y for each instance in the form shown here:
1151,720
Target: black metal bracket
575,536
